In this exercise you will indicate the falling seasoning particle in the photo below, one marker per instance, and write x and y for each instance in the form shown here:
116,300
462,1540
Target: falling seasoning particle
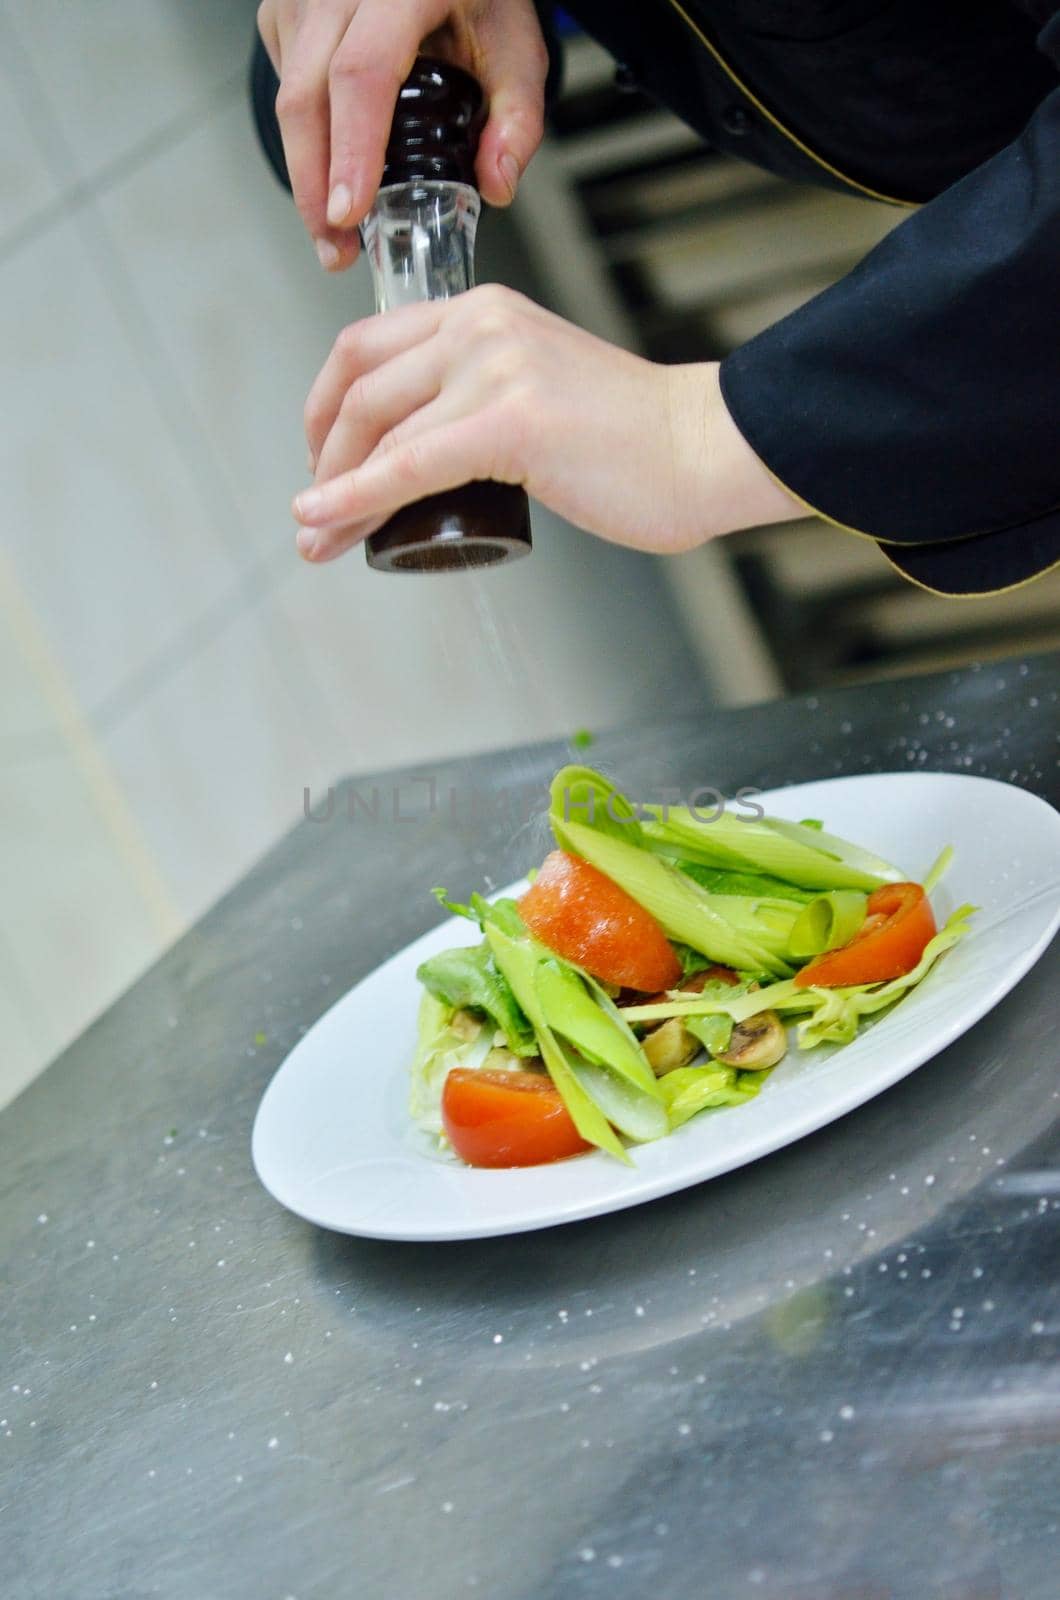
261,1038
581,739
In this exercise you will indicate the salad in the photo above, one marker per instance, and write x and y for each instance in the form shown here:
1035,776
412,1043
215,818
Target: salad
648,974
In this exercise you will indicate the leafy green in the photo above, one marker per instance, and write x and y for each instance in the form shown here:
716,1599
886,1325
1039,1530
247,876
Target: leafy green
757,885
502,913
715,1033
438,1050
468,977
691,960
690,1090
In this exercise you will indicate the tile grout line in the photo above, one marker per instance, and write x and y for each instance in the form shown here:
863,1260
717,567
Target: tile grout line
257,576
107,794
109,713
254,579
75,192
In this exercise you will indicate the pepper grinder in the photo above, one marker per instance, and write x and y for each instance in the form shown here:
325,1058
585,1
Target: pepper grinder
419,238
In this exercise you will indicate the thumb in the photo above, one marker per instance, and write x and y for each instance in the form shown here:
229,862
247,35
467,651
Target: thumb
515,66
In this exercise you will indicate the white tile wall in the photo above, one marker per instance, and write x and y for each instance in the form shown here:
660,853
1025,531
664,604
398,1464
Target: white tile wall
239,307
214,760
102,518
83,905
119,72
27,186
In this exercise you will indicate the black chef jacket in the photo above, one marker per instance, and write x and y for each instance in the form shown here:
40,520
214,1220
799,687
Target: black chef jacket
916,401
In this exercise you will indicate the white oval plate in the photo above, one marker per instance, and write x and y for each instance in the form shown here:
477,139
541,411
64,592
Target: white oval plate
333,1142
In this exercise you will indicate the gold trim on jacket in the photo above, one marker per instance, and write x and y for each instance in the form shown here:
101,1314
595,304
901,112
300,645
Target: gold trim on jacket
764,111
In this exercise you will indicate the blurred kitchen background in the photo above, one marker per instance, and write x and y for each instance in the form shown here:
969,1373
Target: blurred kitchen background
171,676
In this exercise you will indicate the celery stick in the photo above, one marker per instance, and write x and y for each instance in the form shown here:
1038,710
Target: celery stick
806,857
828,921
940,865
684,910
518,961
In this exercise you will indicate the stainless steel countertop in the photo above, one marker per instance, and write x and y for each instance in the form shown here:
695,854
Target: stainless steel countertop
829,1376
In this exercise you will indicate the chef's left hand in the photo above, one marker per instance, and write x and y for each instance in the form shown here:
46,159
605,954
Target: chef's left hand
490,385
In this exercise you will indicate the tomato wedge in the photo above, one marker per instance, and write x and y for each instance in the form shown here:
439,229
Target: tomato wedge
507,1119
898,924
581,914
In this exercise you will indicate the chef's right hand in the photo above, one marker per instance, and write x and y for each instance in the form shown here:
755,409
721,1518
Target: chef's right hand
341,64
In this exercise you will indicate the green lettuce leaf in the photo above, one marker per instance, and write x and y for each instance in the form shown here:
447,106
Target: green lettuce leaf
690,1090
757,885
838,1012
469,978
438,1050
715,1033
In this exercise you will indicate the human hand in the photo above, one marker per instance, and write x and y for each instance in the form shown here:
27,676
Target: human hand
489,385
341,64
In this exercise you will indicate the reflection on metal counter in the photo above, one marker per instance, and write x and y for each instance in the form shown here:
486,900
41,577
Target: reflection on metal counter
828,1376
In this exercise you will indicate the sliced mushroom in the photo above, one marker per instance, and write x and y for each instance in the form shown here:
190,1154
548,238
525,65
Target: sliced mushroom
756,1044
669,1045
465,1025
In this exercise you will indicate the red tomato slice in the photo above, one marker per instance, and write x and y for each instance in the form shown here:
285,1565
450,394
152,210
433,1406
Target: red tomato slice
507,1119
585,917
898,924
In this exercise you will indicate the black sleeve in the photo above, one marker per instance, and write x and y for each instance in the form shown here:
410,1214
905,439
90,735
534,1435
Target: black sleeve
918,400
264,87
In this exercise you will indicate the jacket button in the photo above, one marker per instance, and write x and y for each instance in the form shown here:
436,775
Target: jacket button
625,82
734,119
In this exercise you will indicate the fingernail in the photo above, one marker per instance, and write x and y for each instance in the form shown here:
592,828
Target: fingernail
339,201
509,171
327,254
306,541
308,504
